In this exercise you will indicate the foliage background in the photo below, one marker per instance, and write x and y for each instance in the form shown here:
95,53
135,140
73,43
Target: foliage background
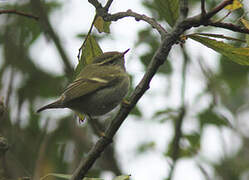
214,127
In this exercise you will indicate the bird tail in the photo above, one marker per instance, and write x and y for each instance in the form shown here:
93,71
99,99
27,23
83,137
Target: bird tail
56,104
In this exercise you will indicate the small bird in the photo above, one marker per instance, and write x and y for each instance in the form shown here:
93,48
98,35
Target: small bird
98,88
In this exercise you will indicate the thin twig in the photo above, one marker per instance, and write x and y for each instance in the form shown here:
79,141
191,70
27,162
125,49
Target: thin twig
204,172
204,19
218,8
229,26
179,120
176,140
108,4
183,9
88,34
103,12
184,69
95,3
203,9
223,18
13,11
130,13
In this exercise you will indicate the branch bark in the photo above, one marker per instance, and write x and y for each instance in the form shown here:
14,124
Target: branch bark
138,17
13,11
229,26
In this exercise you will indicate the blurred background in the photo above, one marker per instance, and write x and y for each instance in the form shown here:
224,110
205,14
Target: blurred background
191,124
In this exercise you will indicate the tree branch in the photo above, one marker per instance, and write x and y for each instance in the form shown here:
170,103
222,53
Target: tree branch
217,9
44,20
138,17
108,4
95,3
103,12
203,9
176,140
183,9
13,11
184,69
179,120
228,26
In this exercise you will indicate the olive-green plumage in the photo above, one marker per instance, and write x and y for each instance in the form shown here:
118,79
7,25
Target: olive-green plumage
98,88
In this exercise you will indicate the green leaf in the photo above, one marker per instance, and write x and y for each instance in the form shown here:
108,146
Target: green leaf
185,150
146,146
136,112
169,10
208,116
101,25
246,25
164,112
235,5
67,176
238,55
194,140
62,176
221,36
87,178
164,115
122,177
89,51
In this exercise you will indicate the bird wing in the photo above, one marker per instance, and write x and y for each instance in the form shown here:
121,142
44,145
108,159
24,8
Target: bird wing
89,80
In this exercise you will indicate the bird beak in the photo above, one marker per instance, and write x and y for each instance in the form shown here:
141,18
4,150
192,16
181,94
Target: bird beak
125,52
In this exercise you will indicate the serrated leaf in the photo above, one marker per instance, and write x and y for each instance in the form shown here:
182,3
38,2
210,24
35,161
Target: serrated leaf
238,55
169,10
235,5
101,25
122,177
89,51
62,176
